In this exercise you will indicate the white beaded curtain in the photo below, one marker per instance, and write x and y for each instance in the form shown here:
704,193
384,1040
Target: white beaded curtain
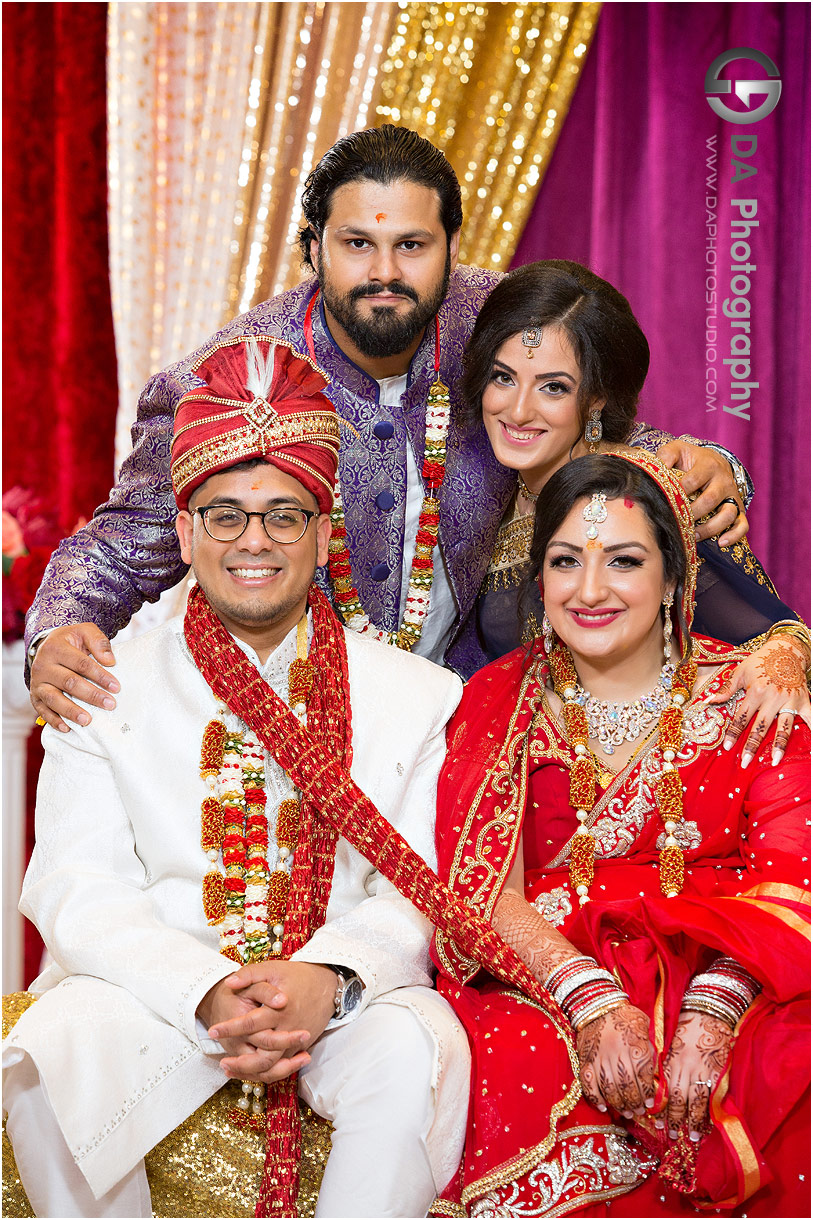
206,134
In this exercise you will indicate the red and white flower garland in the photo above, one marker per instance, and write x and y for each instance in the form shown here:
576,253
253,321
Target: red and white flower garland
438,414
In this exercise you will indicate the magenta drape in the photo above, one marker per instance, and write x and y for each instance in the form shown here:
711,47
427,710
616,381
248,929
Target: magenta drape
626,193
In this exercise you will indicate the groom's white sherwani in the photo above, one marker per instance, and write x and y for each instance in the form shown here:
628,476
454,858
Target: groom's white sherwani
114,886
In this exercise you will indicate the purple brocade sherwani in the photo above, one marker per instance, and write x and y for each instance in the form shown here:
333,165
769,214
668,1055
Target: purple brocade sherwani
129,552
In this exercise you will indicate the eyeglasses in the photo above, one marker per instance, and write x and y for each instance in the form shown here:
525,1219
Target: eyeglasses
225,523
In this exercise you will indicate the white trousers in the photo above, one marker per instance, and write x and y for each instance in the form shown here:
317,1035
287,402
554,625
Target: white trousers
393,1083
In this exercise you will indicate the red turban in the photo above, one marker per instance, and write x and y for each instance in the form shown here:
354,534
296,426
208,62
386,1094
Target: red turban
260,400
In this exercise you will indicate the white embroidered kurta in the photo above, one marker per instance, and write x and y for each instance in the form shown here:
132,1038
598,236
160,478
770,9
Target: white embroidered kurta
114,886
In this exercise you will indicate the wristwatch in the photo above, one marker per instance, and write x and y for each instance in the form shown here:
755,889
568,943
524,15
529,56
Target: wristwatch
349,990
741,477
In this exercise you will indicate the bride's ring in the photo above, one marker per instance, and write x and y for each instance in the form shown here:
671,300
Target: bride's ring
786,711
707,1083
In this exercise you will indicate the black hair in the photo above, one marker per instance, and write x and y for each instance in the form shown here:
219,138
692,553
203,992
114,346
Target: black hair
609,345
602,473
380,154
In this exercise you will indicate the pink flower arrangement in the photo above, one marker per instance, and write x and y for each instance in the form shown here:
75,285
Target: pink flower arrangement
31,531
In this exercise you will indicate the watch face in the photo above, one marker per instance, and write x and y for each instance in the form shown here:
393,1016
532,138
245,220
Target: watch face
352,995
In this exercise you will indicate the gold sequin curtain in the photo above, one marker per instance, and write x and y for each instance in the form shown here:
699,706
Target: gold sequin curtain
489,84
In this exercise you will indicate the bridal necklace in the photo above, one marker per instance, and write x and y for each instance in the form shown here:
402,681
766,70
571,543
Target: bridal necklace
611,724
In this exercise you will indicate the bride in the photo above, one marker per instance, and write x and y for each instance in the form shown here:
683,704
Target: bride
653,885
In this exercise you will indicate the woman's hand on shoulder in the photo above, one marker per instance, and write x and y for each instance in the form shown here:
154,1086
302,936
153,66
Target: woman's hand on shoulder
775,685
696,1060
618,1061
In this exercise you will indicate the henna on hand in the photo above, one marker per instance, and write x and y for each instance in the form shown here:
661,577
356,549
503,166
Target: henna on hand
782,666
530,935
699,1053
617,1059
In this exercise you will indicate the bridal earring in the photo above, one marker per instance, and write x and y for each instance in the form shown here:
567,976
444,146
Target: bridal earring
547,634
667,628
593,430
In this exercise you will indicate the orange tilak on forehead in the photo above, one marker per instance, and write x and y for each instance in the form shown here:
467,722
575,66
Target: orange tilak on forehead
380,216
594,545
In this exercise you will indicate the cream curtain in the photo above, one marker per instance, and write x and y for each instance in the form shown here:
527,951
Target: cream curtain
217,111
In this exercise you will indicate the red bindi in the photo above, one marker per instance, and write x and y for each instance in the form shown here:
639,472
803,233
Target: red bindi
628,503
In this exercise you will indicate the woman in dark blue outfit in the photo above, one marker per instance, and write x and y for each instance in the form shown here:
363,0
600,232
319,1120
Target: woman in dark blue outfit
554,368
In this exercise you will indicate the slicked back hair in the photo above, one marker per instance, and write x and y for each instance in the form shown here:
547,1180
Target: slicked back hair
379,154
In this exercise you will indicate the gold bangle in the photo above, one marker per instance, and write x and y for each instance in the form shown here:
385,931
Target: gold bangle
793,628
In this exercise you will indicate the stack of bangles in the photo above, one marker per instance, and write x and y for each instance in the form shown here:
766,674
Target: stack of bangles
725,991
584,991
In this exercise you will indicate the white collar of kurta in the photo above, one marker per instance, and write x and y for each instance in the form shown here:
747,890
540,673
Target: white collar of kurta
275,670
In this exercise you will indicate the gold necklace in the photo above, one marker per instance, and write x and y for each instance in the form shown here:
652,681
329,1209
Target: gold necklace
525,491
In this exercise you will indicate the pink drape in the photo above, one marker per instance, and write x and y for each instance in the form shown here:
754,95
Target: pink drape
626,193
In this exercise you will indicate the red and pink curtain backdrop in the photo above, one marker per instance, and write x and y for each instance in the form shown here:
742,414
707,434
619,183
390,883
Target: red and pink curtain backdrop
640,154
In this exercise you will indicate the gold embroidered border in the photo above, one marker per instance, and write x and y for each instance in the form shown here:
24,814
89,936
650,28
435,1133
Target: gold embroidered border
775,889
242,442
790,919
501,772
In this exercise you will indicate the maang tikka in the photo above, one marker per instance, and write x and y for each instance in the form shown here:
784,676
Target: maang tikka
531,338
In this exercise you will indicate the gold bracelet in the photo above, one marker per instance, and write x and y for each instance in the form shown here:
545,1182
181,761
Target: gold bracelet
793,628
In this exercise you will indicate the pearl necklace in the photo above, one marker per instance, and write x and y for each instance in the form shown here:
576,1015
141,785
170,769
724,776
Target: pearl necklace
611,724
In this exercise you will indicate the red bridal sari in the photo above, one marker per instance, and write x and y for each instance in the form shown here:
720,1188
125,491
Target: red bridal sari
535,1147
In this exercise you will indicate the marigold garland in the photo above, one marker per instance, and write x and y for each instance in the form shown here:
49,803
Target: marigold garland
584,772
247,900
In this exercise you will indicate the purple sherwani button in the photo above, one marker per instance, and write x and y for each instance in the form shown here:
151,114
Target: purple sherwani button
380,571
383,429
385,500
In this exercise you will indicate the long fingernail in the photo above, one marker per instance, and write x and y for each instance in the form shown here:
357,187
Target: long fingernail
603,1109
777,757
728,744
746,760
650,1103
694,1136
640,1111
627,1113
672,1134
659,1124
109,704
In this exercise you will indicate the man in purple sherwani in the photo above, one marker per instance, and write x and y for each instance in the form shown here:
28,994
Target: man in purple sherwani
384,215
